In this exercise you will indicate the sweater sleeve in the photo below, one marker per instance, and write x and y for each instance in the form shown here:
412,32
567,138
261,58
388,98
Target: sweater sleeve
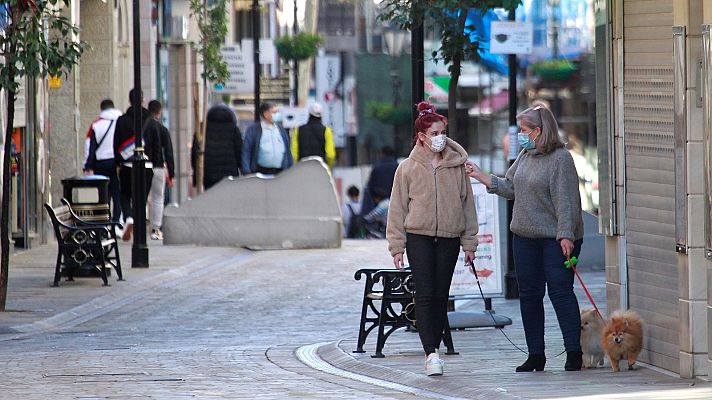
398,209
329,150
563,185
504,187
294,144
468,240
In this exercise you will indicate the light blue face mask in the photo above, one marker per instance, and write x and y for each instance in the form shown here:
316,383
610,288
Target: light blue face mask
525,141
276,117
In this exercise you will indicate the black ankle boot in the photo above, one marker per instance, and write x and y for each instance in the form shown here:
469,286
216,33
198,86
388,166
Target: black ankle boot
535,362
574,359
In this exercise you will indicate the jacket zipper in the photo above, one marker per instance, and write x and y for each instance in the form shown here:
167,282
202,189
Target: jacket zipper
435,178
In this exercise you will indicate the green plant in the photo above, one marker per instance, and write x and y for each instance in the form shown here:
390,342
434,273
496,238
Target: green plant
554,69
29,51
388,113
298,47
212,24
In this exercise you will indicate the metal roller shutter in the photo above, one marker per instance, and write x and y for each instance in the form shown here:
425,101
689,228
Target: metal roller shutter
650,176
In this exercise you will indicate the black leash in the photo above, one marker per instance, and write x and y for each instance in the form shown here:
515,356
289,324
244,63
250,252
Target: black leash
482,294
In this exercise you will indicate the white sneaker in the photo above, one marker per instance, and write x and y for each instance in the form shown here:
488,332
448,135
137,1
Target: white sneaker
433,364
156,234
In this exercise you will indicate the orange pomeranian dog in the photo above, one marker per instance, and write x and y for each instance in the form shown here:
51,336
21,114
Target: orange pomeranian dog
622,338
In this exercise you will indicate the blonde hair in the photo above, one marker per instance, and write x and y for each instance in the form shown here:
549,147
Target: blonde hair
541,117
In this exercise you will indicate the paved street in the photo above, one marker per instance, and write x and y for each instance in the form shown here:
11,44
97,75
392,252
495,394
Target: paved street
230,323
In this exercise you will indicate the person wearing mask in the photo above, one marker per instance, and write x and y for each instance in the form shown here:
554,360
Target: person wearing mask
547,228
223,145
430,216
159,149
99,152
266,146
124,144
314,139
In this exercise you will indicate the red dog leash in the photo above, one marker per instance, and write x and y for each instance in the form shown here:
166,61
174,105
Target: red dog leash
571,263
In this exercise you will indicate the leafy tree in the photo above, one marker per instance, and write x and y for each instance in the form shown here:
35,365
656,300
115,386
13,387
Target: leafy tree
36,41
458,41
212,24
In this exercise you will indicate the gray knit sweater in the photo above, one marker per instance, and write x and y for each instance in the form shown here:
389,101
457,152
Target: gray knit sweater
544,187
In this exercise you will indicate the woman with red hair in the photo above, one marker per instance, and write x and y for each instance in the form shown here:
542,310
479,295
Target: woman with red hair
432,214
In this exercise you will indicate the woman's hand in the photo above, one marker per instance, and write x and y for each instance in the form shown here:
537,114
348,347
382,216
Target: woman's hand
398,261
567,247
472,169
470,258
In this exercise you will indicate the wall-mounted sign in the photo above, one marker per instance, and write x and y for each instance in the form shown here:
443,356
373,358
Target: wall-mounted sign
55,82
509,37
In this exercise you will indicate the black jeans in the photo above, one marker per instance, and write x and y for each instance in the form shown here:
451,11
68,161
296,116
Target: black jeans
432,261
126,180
540,267
108,169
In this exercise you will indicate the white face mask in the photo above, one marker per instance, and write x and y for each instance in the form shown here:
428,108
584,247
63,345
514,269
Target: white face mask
437,143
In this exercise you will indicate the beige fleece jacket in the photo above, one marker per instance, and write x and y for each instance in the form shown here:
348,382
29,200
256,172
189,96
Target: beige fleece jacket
432,201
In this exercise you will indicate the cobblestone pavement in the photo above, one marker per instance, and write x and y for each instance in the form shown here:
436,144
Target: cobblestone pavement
229,323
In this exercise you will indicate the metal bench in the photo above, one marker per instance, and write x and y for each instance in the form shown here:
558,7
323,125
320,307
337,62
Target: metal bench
82,243
389,303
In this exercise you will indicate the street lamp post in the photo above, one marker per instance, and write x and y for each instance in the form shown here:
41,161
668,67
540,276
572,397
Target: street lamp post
139,250
256,54
395,43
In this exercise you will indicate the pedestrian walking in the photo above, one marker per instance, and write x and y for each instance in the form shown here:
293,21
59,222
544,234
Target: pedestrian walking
124,144
431,215
547,228
223,145
381,177
354,227
266,147
99,152
159,149
314,139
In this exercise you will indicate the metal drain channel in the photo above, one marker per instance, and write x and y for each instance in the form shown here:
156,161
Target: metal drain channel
308,355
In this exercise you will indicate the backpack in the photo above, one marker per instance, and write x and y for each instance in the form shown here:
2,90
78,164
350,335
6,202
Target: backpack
357,225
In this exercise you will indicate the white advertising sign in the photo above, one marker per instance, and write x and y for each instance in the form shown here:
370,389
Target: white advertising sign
294,117
239,60
510,37
330,92
488,256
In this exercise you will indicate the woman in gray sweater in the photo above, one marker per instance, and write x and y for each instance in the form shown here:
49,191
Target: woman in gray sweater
547,227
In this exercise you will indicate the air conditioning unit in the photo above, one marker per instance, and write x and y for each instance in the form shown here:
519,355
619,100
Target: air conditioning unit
180,28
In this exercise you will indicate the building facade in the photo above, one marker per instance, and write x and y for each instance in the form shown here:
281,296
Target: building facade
652,60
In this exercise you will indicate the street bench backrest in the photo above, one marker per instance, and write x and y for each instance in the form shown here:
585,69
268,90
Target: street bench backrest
60,216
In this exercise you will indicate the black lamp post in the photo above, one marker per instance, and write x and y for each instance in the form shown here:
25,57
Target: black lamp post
395,43
256,54
139,250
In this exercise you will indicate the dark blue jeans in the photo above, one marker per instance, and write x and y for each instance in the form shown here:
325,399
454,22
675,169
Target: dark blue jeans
540,266
432,261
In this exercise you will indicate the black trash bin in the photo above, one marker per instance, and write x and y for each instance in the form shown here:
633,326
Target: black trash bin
89,198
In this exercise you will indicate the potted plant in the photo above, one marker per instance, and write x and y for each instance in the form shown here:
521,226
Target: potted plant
554,70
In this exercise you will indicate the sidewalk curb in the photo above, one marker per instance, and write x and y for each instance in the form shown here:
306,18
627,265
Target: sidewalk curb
330,358
130,292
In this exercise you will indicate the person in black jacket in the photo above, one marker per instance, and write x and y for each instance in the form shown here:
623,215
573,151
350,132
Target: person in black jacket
159,149
381,178
223,145
313,138
124,144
